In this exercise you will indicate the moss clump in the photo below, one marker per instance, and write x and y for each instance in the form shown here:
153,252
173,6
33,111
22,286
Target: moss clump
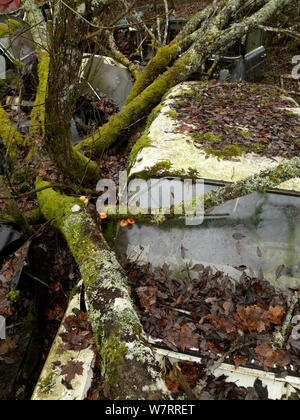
163,58
161,168
173,114
14,295
112,355
205,137
230,151
245,133
257,147
9,28
75,291
110,232
190,92
38,112
12,139
144,140
47,383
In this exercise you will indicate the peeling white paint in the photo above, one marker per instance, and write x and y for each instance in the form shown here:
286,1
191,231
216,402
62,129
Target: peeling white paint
81,383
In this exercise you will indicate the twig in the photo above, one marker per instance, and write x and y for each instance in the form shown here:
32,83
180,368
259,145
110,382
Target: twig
166,23
203,382
184,384
37,279
279,336
38,190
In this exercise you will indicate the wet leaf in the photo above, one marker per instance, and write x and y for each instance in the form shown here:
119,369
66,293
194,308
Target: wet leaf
238,236
172,383
276,314
71,369
268,357
188,340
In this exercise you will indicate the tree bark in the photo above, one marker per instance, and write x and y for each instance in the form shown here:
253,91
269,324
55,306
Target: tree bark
66,53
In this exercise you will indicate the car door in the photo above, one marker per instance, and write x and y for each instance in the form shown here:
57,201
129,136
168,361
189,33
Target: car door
255,54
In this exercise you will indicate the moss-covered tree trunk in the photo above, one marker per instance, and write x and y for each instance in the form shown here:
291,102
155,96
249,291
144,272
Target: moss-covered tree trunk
66,52
128,364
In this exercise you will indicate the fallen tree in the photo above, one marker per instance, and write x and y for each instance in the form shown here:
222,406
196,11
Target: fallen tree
128,363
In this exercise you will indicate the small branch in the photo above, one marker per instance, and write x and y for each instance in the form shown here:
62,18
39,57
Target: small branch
287,32
119,56
203,382
279,336
54,185
166,23
184,384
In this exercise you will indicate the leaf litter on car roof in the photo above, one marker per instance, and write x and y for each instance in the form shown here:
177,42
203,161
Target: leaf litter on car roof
208,312
229,119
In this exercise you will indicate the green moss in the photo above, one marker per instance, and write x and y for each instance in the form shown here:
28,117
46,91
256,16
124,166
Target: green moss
110,230
9,28
112,355
12,139
38,112
161,168
47,383
144,140
180,103
163,58
75,291
173,114
245,133
190,92
14,295
257,147
208,136
230,151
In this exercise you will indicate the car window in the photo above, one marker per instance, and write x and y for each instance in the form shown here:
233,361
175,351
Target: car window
254,40
234,50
